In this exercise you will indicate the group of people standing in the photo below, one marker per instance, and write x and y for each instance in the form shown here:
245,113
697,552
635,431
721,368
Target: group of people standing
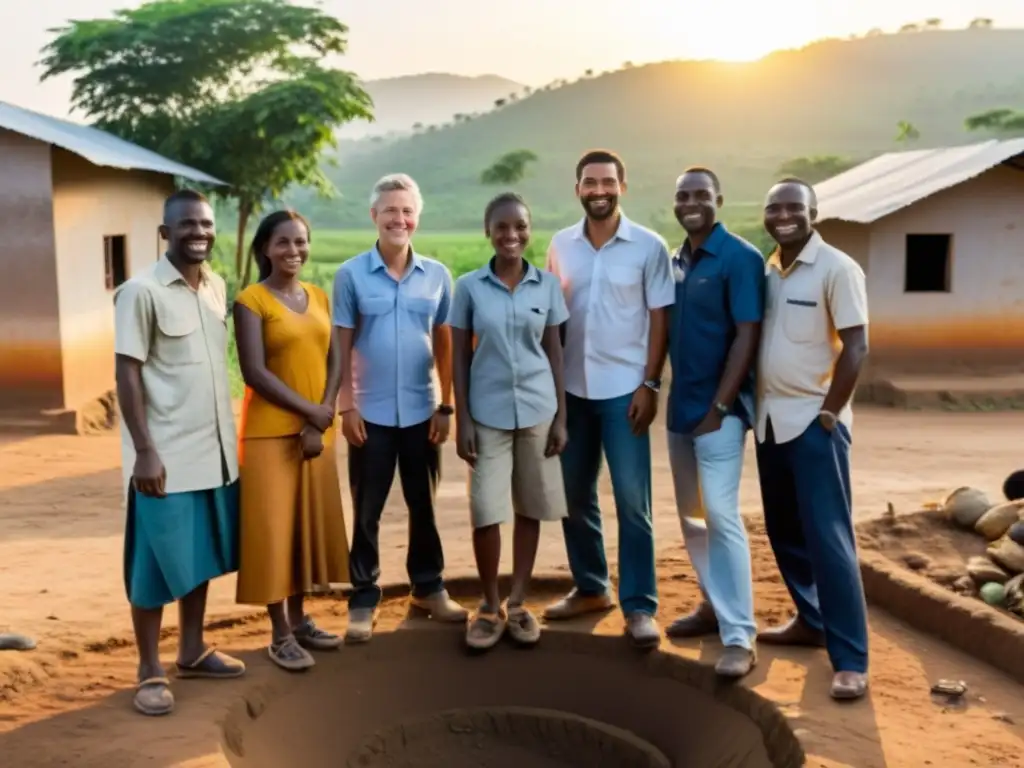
546,371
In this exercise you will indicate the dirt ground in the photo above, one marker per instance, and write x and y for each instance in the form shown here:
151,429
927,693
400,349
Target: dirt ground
61,521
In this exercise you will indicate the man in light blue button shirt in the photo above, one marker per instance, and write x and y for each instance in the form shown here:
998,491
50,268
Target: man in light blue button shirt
390,313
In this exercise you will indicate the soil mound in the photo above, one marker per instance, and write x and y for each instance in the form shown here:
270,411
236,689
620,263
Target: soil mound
414,698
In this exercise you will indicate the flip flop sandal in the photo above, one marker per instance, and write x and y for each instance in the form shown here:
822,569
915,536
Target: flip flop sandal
310,636
485,629
290,656
523,626
212,664
153,697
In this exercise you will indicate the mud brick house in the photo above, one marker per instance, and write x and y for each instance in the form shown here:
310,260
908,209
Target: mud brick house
79,211
940,235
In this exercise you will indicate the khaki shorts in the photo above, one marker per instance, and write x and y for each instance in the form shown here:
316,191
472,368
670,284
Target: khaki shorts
512,475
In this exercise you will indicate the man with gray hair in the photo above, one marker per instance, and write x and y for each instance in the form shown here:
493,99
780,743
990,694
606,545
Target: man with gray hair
390,323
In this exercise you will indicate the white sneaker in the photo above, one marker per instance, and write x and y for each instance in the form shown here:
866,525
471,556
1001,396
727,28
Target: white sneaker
361,622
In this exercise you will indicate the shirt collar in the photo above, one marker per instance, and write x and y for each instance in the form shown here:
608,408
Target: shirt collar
808,255
377,261
167,274
486,272
712,245
624,231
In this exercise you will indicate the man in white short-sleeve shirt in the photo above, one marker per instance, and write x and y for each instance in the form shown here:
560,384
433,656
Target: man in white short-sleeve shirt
617,280
813,346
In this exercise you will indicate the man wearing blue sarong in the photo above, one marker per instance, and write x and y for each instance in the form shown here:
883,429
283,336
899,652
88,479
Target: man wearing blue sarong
178,447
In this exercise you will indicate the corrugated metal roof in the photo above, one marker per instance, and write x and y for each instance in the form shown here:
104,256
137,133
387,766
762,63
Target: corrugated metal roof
96,146
895,180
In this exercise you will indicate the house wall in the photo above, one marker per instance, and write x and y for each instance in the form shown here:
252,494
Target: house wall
979,325
30,352
90,203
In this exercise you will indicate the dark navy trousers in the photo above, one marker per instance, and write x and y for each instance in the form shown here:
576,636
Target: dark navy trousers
808,513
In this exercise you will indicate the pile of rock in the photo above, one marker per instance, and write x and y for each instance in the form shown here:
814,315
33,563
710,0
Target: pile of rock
998,576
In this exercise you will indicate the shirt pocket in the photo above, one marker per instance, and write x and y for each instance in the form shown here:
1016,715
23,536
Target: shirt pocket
800,319
706,292
625,285
375,305
422,306
178,336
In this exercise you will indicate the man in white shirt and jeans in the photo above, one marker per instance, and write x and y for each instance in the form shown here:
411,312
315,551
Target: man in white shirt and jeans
617,279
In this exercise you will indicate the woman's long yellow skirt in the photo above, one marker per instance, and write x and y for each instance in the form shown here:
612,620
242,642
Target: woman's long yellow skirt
293,537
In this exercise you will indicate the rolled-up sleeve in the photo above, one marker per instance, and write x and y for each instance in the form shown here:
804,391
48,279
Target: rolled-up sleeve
558,312
445,302
659,287
345,312
133,321
746,287
460,314
847,296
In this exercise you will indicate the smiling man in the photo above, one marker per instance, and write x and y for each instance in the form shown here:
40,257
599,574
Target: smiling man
178,445
714,332
390,316
813,348
617,280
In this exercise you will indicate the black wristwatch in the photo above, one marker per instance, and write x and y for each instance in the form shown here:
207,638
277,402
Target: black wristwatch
653,384
445,410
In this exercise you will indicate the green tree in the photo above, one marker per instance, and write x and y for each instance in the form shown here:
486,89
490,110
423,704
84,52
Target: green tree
234,87
1002,121
980,23
906,132
510,168
816,168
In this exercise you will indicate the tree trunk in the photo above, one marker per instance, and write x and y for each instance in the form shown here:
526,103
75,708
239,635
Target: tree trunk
244,212
248,271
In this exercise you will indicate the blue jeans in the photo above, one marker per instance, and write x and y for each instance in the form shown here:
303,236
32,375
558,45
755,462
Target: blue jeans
808,514
593,425
706,471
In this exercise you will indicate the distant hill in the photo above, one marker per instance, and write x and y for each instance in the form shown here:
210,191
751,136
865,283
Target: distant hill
745,120
427,99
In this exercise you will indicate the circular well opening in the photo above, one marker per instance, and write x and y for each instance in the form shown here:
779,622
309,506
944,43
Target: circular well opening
413,699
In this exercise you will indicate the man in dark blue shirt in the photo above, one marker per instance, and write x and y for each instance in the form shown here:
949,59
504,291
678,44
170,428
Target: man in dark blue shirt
713,338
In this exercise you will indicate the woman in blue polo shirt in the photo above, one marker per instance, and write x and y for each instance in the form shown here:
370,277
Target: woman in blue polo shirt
510,412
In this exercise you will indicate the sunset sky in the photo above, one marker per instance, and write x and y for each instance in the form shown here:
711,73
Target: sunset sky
531,41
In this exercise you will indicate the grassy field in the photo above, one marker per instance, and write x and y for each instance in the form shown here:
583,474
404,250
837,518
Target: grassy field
461,252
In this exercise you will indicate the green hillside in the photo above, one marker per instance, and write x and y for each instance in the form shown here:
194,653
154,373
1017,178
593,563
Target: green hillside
833,97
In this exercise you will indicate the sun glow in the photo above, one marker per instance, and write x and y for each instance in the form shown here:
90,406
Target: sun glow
740,31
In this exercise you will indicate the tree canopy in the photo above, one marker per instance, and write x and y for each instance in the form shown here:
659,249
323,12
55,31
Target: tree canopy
1003,121
510,168
236,88
816,168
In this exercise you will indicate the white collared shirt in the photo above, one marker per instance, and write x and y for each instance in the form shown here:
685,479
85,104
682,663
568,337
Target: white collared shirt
822,293
179,334
610,292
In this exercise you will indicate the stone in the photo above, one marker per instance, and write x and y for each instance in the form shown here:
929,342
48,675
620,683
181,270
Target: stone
946,575
1014,600
1008,555
997,521
965,506
1016,533
915,561
992,593
966,586
983,571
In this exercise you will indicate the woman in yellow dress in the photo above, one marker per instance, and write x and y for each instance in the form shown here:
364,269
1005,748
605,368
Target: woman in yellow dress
293,539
